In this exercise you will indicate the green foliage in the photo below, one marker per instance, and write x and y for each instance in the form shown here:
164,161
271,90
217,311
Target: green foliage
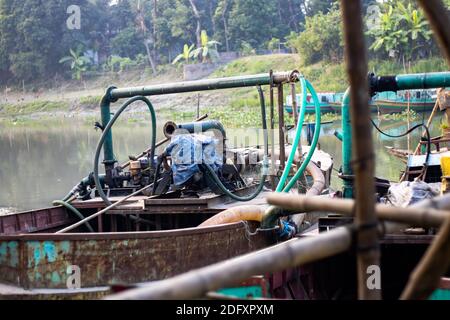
321,39
184,57
402,30
247,49
258,64
32,107
128,43
78,64
118,64
273,44
207,51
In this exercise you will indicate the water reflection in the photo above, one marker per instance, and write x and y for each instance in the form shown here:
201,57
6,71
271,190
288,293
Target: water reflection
41,162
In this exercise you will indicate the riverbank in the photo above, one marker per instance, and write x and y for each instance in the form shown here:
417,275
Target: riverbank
234,107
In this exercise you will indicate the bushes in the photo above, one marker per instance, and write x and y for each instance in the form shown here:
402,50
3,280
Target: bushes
321,39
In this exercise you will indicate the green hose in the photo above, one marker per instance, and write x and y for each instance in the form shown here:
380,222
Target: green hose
272,213
108,128
314,142
297,138
72,208
265,167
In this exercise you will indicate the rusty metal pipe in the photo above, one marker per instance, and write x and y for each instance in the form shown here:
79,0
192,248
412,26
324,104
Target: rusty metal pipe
278,78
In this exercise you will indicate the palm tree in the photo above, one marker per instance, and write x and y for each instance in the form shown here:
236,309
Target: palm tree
187,51
78,64
207,49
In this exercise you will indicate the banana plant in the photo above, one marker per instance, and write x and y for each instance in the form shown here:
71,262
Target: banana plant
78,64
207,51
185,56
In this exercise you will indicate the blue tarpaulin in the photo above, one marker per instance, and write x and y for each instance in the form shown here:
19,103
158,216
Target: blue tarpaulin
188,151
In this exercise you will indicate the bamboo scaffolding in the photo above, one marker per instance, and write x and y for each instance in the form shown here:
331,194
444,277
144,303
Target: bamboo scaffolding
368,253
436,261
197,283
433,265
417,216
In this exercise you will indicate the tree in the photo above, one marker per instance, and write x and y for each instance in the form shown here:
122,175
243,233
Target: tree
78,64
128,43
207,48
187,53
321,39
255,22
402,31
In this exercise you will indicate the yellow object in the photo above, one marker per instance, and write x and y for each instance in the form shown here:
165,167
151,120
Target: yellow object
236,214
445,167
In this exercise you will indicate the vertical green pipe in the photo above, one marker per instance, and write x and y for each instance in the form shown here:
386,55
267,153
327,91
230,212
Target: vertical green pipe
347,144
105,110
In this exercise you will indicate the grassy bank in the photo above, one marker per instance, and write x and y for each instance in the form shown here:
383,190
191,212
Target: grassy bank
234,108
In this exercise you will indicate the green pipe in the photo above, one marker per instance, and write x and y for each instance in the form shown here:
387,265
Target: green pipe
272,213
105,110
308,157
107,130
338,135
297,138
346,145
203,126
380,84
423,80
74,210
207,84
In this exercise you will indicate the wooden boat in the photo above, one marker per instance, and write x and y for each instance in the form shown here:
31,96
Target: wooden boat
382,103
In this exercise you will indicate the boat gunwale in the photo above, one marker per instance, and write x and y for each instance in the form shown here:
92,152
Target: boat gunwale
122,235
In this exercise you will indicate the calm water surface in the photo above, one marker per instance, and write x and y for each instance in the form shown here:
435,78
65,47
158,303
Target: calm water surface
42,161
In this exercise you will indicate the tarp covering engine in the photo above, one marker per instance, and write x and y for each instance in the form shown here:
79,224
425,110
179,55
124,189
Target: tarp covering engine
188,152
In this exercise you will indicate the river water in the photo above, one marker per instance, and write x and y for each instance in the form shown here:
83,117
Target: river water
41,161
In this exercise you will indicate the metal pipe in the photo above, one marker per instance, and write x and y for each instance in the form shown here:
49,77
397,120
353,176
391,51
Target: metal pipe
193,127
347,145
197,283
281,129
368,251
108,149
207,84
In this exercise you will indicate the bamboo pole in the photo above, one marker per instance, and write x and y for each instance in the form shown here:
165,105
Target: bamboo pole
430,119
436,261
289,254
439,19
418,216
433,265
368,252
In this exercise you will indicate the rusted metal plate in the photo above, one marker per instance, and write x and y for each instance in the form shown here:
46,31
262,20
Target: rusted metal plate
34,221
41,260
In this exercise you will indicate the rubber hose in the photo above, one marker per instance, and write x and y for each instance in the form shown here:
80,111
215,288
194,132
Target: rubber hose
74,210
314,142
297,138
105,132
265,162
